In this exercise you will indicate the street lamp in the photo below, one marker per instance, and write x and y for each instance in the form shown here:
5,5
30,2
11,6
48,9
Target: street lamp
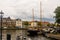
1,22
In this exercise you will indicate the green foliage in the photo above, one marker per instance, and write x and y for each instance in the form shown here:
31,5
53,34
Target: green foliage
39,24
57,13
48,24
25,23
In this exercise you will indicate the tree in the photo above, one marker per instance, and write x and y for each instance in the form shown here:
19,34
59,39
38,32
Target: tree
39,24
48,25
57,13
25,23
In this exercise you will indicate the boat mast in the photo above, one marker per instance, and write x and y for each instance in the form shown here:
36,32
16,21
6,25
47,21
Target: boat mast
33,16
41,12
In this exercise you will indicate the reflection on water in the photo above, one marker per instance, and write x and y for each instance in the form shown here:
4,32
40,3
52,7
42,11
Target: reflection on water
38,38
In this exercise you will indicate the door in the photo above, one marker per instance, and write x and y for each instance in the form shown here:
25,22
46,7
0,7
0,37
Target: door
8,36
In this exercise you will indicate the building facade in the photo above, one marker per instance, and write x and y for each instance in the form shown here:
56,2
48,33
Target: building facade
18,23
8,22
10,29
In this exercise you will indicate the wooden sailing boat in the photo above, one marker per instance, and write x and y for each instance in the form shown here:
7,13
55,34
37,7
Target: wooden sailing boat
32,31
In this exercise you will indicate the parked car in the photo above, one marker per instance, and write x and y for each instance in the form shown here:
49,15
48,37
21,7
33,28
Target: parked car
48,30
57,29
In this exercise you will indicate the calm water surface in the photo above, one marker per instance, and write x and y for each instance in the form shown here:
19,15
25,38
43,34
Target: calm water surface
38,38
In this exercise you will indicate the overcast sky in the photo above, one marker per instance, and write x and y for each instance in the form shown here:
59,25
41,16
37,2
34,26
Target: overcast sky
23,8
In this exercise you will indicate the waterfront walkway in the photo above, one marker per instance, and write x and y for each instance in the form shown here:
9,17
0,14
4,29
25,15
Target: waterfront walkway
56,36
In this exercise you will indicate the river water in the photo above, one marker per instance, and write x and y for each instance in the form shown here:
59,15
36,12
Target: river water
38,38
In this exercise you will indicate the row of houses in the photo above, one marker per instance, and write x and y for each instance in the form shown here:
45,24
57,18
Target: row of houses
8,22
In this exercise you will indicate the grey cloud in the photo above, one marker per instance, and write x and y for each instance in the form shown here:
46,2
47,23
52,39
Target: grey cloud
23,8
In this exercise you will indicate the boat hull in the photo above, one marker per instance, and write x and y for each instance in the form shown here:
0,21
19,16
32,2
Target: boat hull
32,32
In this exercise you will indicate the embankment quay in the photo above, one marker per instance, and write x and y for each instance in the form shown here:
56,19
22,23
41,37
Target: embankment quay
22,33
55,36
